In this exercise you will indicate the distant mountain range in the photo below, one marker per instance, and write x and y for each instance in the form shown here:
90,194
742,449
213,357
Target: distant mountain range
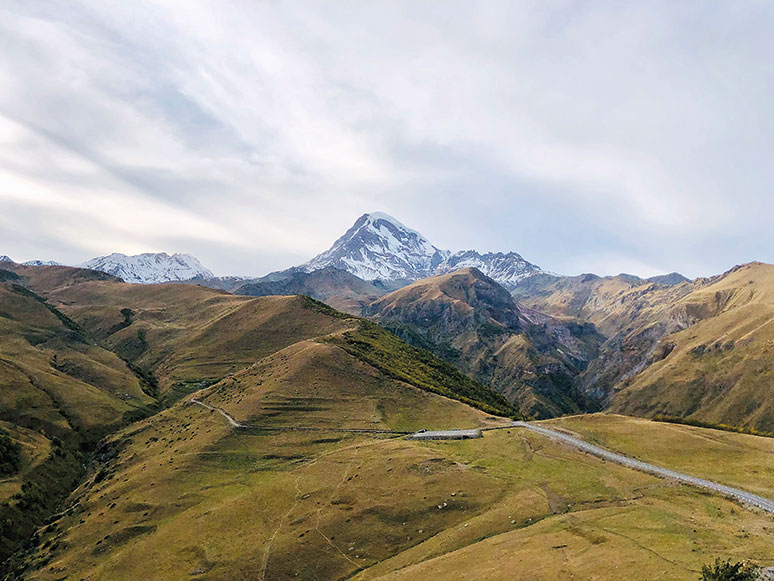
551,344
379,247
5,258
150,268
376,248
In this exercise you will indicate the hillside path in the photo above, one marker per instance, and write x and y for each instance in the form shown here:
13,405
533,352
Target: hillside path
745,497
236,424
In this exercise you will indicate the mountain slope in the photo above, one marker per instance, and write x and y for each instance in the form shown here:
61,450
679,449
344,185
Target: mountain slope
150,268
303,492
60,393
470,320
335,287
720,368
631,313
185,495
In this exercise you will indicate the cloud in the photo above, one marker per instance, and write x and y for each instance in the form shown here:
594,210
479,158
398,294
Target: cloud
586,136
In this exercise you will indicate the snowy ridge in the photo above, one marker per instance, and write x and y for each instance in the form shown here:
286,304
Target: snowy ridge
4,258
505,268
150,268
378,246
42,263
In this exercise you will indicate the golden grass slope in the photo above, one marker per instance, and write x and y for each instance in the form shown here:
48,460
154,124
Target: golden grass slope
185,334
185,496
738,460
55,378
614,304
720,369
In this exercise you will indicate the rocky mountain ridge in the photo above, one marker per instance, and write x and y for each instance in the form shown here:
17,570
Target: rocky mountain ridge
470,320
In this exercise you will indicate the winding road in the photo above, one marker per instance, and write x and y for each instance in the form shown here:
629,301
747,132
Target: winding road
745,497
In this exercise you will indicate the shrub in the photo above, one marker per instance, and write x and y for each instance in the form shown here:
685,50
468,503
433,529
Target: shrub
10,454
728,571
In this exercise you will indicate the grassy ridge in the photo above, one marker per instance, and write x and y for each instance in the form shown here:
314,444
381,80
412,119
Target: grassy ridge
703,424
397,359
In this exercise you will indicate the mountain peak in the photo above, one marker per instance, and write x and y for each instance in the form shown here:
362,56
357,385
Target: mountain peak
4,258
378,246
150,267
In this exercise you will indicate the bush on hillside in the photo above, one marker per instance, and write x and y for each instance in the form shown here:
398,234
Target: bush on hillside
728,571
10,454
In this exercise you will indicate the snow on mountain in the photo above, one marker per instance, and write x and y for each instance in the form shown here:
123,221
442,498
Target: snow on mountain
42,263
505,268
4,258
379,247
150,268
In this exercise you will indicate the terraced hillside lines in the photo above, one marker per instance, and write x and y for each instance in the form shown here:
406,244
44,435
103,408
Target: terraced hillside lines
721,368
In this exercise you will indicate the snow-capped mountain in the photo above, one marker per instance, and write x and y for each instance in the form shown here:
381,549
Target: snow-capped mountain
150,268
505,268
42,263
4,258
379,247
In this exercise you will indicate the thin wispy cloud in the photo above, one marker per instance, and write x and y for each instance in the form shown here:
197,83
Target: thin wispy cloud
586,136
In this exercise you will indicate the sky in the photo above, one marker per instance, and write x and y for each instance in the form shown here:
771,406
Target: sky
604,137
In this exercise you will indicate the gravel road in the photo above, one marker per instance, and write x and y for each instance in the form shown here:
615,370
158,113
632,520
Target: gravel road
745,497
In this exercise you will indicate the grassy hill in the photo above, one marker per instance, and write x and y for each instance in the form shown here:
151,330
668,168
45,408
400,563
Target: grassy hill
61,392
335,287
184,495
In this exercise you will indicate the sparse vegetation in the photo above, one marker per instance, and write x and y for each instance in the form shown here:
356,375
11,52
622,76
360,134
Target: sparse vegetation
418,367
728,571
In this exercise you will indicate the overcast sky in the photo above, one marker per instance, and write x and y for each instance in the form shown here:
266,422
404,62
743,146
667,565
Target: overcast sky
587,136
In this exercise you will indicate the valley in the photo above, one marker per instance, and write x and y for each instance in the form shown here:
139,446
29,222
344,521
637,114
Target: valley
179,431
